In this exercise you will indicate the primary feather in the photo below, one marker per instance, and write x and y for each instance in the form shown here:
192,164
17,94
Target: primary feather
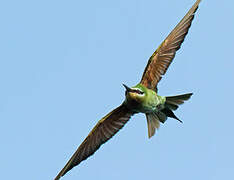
163,56
142,98
107,127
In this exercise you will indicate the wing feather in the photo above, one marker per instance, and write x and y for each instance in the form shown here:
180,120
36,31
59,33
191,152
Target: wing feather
107,127
163,56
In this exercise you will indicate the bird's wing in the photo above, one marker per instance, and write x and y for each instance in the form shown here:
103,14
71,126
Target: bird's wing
107,127
163,56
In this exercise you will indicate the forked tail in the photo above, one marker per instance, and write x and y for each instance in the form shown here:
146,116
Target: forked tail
171,104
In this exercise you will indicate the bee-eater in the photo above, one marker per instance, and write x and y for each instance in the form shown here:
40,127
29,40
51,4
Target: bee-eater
142,98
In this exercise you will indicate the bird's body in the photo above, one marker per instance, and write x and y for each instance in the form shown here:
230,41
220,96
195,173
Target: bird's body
142,98
148,102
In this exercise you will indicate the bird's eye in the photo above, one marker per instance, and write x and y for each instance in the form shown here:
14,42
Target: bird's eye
138,91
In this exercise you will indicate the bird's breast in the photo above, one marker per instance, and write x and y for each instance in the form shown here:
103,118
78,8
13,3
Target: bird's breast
146,106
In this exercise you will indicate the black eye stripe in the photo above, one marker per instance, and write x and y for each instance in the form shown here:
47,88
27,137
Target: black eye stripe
138,91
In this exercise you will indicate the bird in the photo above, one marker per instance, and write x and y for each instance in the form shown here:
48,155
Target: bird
142,98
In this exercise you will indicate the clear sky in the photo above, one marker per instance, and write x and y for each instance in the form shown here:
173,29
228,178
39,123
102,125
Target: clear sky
62,65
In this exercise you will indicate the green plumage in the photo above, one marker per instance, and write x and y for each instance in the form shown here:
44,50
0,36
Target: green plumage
157,108
142,98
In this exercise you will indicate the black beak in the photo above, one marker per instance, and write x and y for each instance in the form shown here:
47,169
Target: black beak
128,89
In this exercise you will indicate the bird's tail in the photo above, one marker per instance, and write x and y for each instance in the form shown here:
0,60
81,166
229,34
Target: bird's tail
171,104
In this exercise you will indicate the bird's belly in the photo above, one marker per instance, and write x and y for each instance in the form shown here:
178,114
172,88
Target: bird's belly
152,105
147,109
149,105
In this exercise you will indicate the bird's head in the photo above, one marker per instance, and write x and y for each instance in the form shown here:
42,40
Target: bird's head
136,93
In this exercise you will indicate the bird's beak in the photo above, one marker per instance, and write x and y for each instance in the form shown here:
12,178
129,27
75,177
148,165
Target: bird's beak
128,89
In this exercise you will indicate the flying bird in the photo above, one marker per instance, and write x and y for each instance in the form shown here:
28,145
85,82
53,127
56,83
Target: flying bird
142,98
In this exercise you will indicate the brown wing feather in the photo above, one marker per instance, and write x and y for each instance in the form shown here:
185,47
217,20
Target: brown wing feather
163,56
107,127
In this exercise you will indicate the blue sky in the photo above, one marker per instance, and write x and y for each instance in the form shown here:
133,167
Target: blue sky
62,64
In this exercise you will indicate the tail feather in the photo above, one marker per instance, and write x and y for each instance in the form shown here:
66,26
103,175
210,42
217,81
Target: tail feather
169,113
179,99
171,104
153,124
153,121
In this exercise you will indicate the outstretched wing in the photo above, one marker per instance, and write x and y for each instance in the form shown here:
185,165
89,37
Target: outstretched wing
107,127
163,56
